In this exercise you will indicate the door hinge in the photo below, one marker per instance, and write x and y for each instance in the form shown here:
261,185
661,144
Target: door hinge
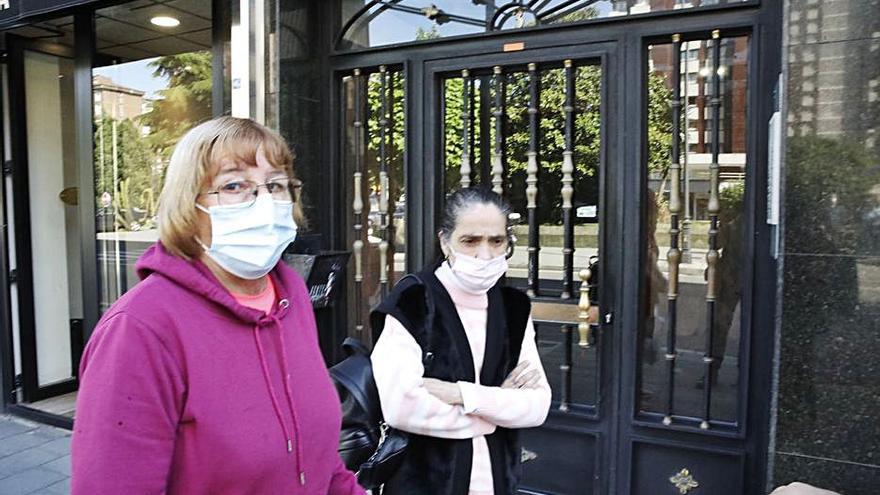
609,317
7,167
13,276
17,381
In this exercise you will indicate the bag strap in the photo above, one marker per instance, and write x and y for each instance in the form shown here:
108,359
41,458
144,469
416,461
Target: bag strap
353,345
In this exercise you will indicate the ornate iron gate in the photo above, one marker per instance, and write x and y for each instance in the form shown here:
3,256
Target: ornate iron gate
630,161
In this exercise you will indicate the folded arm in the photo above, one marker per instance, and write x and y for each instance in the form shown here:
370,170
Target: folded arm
406,403
512,407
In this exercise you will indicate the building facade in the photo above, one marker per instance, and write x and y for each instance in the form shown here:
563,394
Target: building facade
696,188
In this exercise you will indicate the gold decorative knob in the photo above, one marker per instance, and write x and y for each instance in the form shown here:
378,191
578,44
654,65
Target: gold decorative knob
684,481
584,309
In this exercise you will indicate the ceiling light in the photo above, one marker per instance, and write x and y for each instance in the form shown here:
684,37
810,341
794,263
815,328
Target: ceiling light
165,21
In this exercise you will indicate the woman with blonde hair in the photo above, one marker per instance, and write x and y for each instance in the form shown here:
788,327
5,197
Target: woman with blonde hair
207,377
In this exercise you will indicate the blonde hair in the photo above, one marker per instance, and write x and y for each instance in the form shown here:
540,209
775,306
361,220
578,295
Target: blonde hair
192,167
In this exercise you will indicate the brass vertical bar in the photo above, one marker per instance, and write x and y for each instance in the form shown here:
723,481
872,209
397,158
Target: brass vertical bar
497,151
713,209
532,179
465,129
584,306
565,369
357,205
383,180
567,189
673,256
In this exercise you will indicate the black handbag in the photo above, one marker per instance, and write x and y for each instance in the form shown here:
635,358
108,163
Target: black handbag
367,445
361,413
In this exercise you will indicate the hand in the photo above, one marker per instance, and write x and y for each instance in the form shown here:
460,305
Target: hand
520,378
447,392
798,488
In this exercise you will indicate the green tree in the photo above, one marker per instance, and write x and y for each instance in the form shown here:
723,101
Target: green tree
139,160
136,179
587,137
186,101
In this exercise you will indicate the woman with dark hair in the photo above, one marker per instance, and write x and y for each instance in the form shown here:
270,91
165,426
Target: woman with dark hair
456,362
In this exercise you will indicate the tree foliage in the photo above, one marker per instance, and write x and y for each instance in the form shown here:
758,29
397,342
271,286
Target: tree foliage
184,103
128,175
587,134
139,160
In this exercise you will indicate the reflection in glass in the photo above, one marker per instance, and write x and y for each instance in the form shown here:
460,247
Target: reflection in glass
372,24
587,144
156,90
54,213
562,356
696,156
831,314
470,112
383,185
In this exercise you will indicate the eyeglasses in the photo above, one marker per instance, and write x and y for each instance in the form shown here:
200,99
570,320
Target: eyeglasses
239,192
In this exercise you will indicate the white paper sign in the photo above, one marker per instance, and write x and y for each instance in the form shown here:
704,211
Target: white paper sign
588,211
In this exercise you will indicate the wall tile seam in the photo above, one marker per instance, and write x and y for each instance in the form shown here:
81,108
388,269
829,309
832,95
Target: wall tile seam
828,459
875,37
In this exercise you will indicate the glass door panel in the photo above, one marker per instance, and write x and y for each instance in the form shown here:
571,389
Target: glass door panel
530,125
690,339
533,133
373,119
54,219
156,89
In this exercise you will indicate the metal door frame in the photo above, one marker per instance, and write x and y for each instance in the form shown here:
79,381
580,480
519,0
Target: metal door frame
598,417
19,169
762,22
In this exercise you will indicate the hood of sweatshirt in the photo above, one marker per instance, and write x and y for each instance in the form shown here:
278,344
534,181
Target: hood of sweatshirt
195,277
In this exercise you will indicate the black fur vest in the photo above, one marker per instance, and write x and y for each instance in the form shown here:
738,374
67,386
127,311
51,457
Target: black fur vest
437,466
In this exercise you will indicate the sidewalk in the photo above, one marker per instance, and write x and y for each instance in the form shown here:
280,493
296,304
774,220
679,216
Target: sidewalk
34,458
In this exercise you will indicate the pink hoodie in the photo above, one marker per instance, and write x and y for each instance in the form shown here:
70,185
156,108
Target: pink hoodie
184,390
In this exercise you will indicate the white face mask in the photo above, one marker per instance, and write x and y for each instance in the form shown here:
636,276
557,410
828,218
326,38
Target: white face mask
478,275
248,240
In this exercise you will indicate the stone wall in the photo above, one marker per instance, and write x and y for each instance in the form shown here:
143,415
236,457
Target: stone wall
828,424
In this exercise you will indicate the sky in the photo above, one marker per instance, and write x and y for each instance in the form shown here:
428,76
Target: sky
135,75
396,27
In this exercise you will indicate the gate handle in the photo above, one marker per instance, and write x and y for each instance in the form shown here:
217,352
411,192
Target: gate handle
584,307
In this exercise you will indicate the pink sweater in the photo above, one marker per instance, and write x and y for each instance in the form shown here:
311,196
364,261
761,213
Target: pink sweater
407,405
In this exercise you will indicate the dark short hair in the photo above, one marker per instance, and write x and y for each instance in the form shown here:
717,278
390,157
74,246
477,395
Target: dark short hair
463,199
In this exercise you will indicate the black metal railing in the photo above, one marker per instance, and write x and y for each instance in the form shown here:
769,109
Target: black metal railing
674,255
358,203
533,168
713,209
